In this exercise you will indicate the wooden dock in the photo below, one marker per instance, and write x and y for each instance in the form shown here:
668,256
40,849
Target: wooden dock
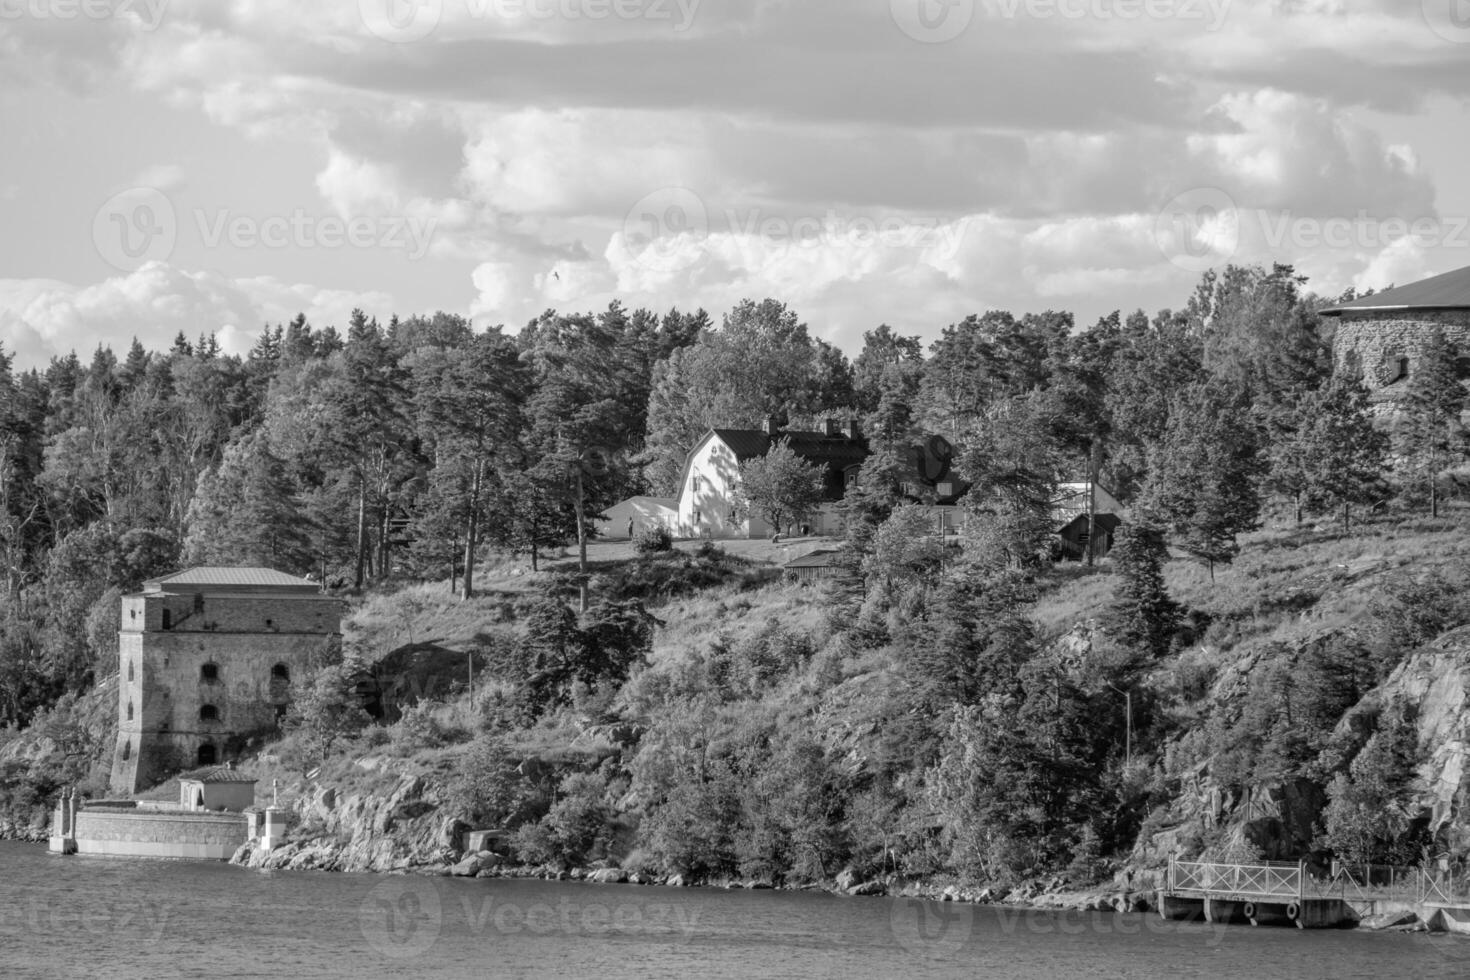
1281,892
1254,893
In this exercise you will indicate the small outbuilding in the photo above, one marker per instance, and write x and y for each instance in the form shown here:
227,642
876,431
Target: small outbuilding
814,566
639,514
217,788
1076,539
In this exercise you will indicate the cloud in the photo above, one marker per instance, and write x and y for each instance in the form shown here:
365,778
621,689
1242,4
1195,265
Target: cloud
40,319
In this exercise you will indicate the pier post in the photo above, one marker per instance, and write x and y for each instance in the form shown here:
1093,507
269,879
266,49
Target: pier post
1220,910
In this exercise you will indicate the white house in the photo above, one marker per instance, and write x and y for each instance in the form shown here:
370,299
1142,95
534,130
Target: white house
708,486
643,512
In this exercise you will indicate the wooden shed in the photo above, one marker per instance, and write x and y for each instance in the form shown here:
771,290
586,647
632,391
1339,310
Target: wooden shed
814,567
1074,536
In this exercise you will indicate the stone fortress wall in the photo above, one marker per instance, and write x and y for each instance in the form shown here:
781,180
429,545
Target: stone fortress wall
145,833
1382,346
202,671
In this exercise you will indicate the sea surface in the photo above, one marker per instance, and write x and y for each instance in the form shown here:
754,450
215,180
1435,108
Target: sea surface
111,918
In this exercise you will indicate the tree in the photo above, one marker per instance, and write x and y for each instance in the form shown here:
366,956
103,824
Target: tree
1335,457
470,399
1203,474
1366,818
326,710
1143,617
780,487
879,487
244,513
1432,430
1011,464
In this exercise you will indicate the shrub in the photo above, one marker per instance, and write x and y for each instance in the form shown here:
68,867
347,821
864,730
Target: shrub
653,540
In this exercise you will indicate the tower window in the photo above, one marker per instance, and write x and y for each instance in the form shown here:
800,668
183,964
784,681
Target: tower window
280,672
130,711
168,620
130,670
127,750
209,672
209,713
208,756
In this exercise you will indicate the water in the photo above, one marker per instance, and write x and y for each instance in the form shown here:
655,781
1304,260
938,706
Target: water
95,917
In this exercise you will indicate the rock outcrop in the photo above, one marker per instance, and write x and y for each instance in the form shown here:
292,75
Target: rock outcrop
397,830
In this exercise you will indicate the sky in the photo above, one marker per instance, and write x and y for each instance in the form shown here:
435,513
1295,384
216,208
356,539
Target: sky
219,165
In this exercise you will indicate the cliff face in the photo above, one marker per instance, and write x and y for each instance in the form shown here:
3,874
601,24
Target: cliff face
1435,684
398,827
69,744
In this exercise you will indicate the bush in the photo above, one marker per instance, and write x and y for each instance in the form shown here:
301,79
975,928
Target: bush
653,540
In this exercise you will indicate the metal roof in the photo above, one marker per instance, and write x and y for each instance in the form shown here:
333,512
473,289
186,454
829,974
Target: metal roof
814,447
824,558
1450,291
215,577
216,774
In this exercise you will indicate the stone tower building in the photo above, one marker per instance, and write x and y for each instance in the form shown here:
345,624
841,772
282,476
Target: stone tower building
206,658
1380,337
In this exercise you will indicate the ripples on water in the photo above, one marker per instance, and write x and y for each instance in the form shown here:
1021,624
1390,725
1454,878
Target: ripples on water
93,917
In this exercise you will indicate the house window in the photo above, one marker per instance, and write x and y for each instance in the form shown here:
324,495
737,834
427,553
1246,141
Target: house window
280,672
209,672
697,484
208,755
209,712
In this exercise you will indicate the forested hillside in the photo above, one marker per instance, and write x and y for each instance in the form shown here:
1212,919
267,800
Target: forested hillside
976,712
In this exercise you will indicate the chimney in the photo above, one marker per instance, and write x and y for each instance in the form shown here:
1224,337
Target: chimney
771,425
834,428
853,428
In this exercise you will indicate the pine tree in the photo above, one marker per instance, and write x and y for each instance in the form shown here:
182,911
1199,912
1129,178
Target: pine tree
1432,431
1203,479
1335,457
244,513
1143,617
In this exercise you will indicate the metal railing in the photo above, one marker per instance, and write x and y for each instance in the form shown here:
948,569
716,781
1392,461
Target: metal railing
1352,883
1257,880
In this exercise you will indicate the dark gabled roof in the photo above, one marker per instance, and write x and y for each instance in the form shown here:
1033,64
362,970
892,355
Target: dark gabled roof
1450,291
1108,522
216,774
815,447
822,558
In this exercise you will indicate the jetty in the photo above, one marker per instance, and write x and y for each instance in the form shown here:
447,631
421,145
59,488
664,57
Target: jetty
1281,892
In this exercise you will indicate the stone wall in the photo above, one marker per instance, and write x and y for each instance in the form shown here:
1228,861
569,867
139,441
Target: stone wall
255,648
131,833
167,689
1366,339
242,613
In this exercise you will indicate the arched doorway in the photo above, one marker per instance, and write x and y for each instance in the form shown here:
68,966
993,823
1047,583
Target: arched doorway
208,755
